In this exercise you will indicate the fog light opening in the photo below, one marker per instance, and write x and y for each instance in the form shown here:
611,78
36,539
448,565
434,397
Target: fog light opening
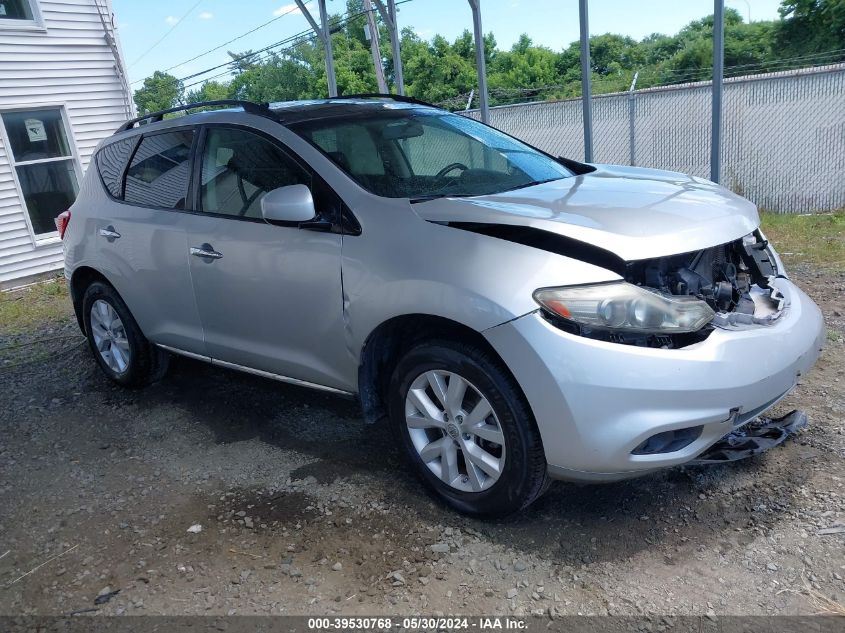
668,441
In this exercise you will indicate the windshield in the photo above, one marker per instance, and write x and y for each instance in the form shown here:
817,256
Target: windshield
422,154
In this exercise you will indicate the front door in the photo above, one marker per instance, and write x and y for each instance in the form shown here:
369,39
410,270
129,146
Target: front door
269,297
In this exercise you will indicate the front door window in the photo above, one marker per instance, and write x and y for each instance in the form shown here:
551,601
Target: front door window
239,168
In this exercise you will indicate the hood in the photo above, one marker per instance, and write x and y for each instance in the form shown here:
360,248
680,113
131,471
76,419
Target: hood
632,212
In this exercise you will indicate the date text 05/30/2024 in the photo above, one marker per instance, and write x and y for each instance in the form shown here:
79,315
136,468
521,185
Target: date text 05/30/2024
483,623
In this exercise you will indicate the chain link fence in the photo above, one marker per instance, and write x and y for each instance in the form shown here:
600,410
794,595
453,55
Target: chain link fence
783,133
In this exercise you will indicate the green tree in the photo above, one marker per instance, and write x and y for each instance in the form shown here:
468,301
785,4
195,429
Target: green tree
209,91
810,26
524,67
278,78
441,71
437,71
159,92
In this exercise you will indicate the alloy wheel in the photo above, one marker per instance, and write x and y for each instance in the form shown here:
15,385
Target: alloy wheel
110,336
455,431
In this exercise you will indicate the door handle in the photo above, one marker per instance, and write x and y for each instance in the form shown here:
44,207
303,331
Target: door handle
109,233
206,251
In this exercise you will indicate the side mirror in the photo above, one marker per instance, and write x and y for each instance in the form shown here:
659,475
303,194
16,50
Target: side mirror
288,204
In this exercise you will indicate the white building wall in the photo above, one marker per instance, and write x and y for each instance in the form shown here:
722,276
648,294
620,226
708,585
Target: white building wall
64,60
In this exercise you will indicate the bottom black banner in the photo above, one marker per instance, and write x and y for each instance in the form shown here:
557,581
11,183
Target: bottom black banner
491,623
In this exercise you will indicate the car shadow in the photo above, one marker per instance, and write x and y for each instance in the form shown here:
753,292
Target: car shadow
572,524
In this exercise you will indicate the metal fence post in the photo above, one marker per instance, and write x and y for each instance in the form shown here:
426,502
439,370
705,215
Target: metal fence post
718,72
632,111
586,87
480,62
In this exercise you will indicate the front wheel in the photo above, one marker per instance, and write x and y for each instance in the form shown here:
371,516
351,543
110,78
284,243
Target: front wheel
466,429
121,349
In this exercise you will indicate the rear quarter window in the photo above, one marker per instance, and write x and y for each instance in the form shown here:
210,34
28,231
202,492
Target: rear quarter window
111,164
159,171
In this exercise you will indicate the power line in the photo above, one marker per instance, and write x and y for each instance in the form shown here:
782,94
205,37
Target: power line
249,55
297,39
234,39
169,31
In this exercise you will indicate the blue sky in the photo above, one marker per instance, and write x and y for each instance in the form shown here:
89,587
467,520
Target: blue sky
158,34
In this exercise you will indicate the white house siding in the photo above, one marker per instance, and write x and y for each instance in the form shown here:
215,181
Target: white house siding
67,63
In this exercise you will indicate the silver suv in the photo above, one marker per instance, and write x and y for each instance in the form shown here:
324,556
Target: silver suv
517,317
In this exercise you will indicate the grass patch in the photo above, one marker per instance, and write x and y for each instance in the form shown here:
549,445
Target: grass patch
817,239
28,308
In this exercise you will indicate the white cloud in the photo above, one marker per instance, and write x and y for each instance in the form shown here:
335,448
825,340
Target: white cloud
171,20
285,9
206,15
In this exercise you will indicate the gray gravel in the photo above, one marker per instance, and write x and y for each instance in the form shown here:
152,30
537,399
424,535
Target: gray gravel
304,509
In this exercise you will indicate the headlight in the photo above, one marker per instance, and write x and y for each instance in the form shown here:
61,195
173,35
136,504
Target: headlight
626,307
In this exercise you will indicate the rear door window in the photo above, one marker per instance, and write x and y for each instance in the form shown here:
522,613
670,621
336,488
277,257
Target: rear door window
111,164
159,172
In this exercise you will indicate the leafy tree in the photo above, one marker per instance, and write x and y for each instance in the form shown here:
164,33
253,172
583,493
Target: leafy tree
525,66
209,91
159,92
441,71
278,78
811,26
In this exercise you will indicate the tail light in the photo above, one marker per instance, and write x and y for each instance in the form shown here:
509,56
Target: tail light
62,220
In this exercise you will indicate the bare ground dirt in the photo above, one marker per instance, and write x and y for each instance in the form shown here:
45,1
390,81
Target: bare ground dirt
305,510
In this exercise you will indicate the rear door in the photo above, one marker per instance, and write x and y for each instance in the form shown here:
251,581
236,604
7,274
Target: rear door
141,234
269,297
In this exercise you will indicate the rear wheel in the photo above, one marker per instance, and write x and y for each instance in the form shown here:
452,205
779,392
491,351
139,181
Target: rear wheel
118,344
466,429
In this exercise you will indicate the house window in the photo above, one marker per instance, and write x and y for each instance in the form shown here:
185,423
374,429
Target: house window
18,10
44,164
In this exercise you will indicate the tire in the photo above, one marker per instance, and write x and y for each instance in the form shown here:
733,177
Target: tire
519,480
121,349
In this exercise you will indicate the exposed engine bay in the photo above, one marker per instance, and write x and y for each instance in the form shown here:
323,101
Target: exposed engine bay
724,276
737,280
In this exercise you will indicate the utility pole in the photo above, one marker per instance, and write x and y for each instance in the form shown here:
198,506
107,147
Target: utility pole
374,47
388,15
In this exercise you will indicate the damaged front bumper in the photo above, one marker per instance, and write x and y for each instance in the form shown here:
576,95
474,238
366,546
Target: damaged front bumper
608,411
769,305
752,439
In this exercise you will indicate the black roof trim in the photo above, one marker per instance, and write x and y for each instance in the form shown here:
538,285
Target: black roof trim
261,109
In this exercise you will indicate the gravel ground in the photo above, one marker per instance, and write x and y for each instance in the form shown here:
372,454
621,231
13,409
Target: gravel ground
305,510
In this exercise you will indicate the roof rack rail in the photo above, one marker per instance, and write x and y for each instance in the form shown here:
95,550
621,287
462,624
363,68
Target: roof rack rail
382,95
262,109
